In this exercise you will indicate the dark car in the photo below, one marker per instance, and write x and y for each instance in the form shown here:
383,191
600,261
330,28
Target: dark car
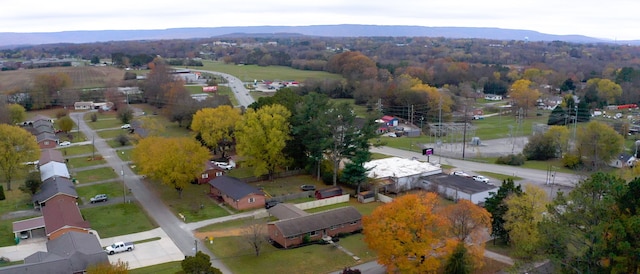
270,204
307,187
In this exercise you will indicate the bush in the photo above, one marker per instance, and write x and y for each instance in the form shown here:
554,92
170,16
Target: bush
94,117
511,159
2,197
571,161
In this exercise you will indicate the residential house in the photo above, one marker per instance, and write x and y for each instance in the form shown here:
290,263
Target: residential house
53,169
83,105
62,215
211,171
236,193
390,121
70,253
52,187
493,97
295,231
399,174
458,187
285,211
47,140
623,160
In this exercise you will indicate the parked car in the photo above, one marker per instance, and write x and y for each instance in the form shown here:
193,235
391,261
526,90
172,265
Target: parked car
99,198
460,173
226,166
307,187
65,143
125,126
24,235
270,204
481,178
119,247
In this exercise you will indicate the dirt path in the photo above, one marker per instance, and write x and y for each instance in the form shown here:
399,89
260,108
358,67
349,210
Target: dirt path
219,233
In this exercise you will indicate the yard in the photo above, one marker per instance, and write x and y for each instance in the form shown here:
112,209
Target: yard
77,150
15,200
108,134
112,189
104,121
115,220
94,175
288,185
79,162
165,268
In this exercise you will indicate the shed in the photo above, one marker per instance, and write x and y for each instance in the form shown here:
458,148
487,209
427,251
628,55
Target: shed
328,192
457,187
366,197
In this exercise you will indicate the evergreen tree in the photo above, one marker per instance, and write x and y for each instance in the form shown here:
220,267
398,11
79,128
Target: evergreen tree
558,116
496,206
459,262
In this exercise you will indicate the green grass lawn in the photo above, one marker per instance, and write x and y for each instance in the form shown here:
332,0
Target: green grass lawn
93,175
254,72
125,154
224,225
112,189
377,156
108,134
361,111
115,144
115,220
364,209
193,196
496,127
236,254
77,150
79,162
241,172
288,185
165,268
103,123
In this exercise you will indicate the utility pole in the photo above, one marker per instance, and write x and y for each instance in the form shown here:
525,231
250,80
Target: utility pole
575,124
464,131
439,133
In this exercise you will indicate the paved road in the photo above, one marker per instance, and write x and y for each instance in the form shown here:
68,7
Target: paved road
236,85
172,226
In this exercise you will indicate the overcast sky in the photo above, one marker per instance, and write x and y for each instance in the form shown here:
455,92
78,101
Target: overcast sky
610,19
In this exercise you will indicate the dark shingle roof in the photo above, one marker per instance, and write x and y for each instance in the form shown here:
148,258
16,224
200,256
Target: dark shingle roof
286,211
50,155
54,186
317,221
46,136
233,187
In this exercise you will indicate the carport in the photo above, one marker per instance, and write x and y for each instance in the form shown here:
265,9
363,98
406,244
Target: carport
28,225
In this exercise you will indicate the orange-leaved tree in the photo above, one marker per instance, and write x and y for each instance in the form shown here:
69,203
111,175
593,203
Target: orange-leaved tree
409,235
175,162
470,224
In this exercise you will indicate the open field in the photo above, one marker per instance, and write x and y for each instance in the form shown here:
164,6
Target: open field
81,77
254,72
195,204
501,126
109,220
93,175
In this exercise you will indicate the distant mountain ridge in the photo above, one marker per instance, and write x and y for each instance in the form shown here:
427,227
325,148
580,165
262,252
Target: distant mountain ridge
14,39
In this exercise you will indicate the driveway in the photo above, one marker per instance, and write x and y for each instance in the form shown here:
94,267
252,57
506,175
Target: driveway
146,254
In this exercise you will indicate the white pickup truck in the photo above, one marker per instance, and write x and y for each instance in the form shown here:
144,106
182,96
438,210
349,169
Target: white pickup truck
119,247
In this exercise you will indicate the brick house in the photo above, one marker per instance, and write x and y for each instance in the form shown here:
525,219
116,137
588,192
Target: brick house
50,155
211,171
293,231
236,193
46,140
62,215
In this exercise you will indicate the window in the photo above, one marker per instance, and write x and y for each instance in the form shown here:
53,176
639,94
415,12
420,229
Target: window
312,233
333,227
252,200
205,175
219,173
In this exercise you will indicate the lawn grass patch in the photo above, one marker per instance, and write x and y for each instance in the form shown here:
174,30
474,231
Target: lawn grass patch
501,126
193,89
78,162
77,150
104,123
224,225
125,154
236,254
364,209
112,133
361,111
498,176
165,268
115,220
377,156
195,203
93,175
241,172
15,199
112,189
355,243
7,238
248,73
287,185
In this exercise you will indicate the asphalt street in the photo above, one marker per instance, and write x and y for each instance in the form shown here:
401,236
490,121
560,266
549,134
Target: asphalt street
236,85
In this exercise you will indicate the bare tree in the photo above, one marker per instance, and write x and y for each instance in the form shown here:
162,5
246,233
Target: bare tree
255,234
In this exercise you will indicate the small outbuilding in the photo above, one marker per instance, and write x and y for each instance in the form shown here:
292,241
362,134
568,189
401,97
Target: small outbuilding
366,197
328,192
458,187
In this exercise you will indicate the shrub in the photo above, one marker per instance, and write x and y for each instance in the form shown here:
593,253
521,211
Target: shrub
2,198
61,113
571,161
94,117
511,159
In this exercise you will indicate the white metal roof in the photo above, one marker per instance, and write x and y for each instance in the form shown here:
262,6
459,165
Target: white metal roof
400,167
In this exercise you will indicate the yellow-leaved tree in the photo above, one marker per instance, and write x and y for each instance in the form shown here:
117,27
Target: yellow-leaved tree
216,126
261,136
523,95
599,143
522,218
409,235
175,162
17,146
471,225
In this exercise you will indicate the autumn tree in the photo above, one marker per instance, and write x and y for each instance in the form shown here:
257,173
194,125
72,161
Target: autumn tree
125,114
261,136
216,126
17,113
496,206
255,234
17,146
175,162
607,90
151,126
119,267
65,124
409,235
158,83
524,213
599,143
523,95
46,88
469,223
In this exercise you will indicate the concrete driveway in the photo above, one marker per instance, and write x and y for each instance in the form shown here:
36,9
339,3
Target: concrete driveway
146,254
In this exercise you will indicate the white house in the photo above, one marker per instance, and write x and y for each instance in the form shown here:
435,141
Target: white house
493,97
53,169
458,187
83,105
623,160
399,174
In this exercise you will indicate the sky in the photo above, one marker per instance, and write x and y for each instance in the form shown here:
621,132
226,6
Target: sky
612,19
